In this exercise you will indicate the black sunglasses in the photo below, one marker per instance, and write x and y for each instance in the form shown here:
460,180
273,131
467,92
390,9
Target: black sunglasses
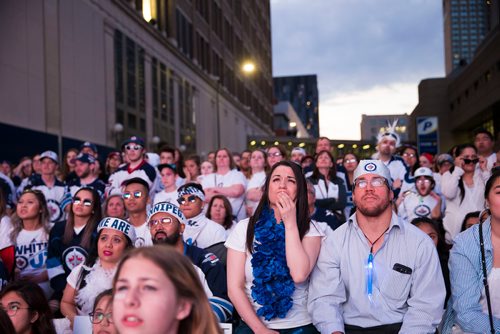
470,161
182,200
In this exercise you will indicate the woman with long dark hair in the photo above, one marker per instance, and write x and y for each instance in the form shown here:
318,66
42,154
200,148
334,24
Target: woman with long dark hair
258,170
271,254
463,188
475,269
220,211
71,240
330,189
27,307
86,281
164,297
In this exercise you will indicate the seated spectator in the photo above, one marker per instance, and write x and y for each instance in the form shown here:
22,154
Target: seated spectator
25,304
101,316
425,202
70,241
168,174
167,224
87,280
471,219
29,232
220,211
175,304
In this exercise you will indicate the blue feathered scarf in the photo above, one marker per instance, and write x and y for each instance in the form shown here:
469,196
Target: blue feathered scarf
272,285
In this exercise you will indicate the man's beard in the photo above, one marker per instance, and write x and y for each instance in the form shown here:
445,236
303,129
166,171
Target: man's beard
167,239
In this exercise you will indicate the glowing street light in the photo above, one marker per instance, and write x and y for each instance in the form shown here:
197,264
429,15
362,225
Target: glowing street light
248,67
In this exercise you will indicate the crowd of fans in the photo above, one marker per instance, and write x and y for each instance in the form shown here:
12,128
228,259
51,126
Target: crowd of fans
405,241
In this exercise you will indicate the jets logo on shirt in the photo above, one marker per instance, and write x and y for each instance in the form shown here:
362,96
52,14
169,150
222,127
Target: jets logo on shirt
210,257
139,242
422,210
73,256
54,209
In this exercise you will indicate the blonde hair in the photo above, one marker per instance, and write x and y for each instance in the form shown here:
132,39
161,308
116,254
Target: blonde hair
179,269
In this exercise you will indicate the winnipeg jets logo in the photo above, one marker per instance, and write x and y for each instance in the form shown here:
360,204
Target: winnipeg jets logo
370,167
73,256
422,210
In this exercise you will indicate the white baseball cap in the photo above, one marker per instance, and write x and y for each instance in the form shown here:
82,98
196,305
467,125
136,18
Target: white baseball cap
51,155
376,167
423,171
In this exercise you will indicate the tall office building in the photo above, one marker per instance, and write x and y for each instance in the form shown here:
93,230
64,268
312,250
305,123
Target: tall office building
169,71
302,93
466,23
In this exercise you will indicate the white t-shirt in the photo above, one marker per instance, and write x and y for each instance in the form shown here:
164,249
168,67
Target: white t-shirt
203,232
322,193
297,315
256,181
231,178
143,236
494,286
414,206
164,196
31,255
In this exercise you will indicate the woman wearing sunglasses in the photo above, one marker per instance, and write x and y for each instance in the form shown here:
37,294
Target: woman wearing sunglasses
463,188
70,241
29,233
88,280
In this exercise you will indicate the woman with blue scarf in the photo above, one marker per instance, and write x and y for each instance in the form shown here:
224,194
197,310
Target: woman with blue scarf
270,256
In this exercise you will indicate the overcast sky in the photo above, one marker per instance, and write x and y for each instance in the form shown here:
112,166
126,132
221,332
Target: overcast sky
369,55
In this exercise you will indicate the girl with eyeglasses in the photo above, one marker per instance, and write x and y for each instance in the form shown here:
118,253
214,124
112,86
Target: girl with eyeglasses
27,308
101,316
87,280
29,233
70,241
463,188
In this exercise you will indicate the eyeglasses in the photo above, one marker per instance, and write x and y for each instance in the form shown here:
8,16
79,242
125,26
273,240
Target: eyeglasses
128,194
12,309
135,147
190,199
163,221
409,155
85,202
423,181
276,154
470,161
98,317
376,183
349,161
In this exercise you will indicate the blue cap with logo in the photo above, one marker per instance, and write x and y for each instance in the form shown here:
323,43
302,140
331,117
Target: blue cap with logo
85,158
376,167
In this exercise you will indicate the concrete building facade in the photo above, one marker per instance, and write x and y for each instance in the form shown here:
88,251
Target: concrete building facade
166,70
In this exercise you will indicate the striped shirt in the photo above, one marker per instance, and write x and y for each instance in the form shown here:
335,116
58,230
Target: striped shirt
466,275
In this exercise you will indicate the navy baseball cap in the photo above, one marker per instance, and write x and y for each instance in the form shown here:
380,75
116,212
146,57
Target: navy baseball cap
134,140
89,145
85,158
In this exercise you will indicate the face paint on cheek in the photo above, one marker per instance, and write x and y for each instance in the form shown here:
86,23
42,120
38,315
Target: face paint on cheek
119,295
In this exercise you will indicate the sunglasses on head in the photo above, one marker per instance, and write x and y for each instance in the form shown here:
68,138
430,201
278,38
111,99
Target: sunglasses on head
190,199
128,194
135,147
85,202
470,161
275,154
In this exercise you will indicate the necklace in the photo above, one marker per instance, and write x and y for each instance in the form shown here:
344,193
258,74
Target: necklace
369,265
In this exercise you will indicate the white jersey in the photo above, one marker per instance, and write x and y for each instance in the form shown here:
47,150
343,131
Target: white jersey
415,206
231,178
203,232
143,236
163,196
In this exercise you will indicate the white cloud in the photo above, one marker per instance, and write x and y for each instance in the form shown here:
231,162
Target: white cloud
340,114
